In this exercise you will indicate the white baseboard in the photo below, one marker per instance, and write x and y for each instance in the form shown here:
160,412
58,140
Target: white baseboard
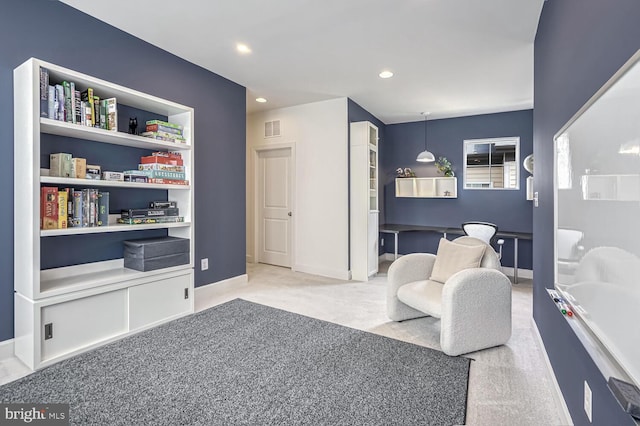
387,257
6,349
250,258
324,272
559,396
205,292
522,273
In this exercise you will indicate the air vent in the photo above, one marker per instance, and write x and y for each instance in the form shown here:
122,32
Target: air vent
271,128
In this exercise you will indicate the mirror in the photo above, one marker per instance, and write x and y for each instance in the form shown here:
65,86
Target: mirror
492,163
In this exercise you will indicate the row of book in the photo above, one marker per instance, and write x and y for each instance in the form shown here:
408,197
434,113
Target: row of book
62,208
65,102
165,131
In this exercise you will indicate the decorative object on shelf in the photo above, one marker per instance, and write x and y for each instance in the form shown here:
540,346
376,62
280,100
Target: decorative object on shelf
444,166
425,156
133,125
528,163
405,173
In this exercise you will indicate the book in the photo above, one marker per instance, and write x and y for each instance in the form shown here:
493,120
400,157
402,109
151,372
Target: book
138,213
163,136
60,102
69,192
79,168
168,181
162,204
97,114
93,172
53,107
164,124
78,207
164,129
145,220
63,198
77,106
113,176
68,111
48,207
135,178
160,166
168,154
90,207
112,114
103,208
165,174
87,96
60,164
162,160
44,92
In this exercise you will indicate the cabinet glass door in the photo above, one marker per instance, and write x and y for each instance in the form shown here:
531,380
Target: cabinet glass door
373,178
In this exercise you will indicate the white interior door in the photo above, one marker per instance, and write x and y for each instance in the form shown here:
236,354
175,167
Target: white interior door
274,207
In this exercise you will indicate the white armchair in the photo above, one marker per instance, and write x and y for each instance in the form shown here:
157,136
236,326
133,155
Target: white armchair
473,304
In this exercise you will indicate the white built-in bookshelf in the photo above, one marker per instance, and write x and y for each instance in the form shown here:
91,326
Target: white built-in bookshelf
65,310
364,200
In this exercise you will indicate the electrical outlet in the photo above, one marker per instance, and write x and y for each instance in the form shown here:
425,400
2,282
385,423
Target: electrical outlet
535,199
587,400
204,264
382,242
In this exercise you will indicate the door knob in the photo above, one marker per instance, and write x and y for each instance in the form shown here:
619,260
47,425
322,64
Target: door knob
289,214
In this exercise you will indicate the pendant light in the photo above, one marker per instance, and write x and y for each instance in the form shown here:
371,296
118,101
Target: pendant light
425,156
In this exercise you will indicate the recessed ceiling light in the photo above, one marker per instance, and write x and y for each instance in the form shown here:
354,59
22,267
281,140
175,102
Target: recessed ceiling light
386,74
243,48
261,100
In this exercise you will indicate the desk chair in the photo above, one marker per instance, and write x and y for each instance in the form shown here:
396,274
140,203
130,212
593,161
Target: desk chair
484,231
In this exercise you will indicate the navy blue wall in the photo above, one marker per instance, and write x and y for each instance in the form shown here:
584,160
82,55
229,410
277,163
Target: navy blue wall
508,209
580,44
54,32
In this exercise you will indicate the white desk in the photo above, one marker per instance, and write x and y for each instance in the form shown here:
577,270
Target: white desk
396,229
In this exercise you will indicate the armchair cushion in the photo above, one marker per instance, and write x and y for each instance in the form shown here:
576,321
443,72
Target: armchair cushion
425,296
453,257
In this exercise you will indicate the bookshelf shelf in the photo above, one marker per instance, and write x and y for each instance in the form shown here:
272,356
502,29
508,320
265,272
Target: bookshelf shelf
55,180
95,300
110,228
62,128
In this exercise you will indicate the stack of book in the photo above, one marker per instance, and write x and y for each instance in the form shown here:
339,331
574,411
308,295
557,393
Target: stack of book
158,212
66,102
68,208
164,131
159,167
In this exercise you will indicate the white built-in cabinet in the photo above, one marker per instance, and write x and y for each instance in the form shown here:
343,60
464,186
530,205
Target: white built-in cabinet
364,200
65,310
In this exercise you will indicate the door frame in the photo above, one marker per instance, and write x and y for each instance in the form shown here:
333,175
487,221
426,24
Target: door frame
257,149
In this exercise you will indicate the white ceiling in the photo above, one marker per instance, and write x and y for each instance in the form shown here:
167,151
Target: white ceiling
450,57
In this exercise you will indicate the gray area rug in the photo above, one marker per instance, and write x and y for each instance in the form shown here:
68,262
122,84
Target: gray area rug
245,363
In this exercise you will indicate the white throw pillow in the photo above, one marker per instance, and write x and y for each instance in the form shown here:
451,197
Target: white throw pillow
452,258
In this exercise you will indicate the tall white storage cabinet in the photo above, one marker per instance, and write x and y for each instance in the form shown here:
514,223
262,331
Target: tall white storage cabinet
364,200
61,311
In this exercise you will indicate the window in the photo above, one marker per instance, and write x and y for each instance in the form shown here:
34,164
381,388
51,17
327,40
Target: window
492,163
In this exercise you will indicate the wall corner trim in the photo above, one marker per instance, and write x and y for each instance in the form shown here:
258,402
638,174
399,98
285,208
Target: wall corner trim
559,397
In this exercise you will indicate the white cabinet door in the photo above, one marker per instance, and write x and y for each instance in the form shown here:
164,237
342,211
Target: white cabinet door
160,300
82,322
